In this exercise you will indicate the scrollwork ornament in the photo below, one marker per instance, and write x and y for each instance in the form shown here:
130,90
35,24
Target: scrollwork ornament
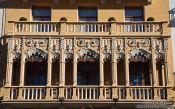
17,49
120,49
68,56
81,43
159,57
132,42
16,55
145,42
94,42
29,43
106,56
120,56
55,56
42,42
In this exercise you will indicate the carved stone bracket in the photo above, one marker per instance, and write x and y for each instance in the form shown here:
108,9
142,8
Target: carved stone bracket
120,57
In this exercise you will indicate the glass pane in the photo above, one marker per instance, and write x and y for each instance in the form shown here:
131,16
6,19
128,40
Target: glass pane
88,19
83,12
133,12
41,12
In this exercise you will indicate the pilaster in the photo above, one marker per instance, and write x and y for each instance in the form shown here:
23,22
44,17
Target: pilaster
49,73
22,71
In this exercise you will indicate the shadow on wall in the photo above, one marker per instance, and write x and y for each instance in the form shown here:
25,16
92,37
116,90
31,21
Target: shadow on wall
3,60
172,17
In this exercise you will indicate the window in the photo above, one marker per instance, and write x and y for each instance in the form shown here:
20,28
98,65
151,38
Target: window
87,74
87,14
134,14
41,13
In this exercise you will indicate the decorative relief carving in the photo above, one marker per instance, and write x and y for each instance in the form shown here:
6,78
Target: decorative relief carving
34,54
16,55
68,56
139,43
159,57
43,42
10,43
87,43
145,43
165,44
132,42
55,56
29,43
139,55
87,55
62,43
120,57
113,46
94,42
37,43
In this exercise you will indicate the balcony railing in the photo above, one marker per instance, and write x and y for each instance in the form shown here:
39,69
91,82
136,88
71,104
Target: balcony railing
87,93
88,28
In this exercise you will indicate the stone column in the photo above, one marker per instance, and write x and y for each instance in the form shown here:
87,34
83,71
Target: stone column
22,72
163,75
154,72
74,73
128,96
49,73
101,74
62,69
8,70
114,75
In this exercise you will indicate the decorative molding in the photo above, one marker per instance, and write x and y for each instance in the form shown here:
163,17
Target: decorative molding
10,43
62,43
34,54
29,42
43,42
55,55
139,55
87,55
120,57
16,55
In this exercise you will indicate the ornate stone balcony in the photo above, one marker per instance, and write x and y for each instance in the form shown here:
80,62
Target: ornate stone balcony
87,93
88,28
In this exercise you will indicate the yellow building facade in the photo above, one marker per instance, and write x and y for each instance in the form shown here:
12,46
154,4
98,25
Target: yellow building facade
77,54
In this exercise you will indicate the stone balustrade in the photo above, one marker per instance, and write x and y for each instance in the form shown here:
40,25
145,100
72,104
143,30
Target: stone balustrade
87,93
87,28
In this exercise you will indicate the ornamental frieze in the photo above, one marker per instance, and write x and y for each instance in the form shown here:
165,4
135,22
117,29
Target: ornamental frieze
138,43
88,43
36,43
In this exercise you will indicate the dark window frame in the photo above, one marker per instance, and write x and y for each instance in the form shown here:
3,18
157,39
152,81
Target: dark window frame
135,17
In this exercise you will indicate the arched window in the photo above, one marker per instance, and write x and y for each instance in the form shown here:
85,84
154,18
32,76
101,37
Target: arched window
139,68
36,67
88,68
